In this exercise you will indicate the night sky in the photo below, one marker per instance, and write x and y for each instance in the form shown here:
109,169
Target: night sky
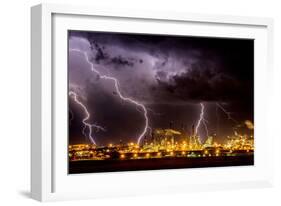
170,75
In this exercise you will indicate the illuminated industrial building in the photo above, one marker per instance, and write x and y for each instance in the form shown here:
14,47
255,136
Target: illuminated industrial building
165,143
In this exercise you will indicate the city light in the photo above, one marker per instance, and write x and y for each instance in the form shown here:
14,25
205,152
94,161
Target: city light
165,146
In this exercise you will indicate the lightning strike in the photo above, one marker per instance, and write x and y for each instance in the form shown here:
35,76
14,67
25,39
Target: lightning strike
116,85
201,120
87,117
228,114
72,116
206,128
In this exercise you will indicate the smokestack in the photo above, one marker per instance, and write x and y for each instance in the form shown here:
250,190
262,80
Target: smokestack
182,127
192,130
171,125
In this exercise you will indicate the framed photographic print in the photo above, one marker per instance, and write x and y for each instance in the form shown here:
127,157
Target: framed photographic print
122,100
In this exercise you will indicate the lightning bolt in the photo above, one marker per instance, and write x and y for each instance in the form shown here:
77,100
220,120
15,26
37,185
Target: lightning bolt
72,116
87,117
116,85
202,120
228,114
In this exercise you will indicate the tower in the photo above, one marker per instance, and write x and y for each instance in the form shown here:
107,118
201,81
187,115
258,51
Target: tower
193,130
171,125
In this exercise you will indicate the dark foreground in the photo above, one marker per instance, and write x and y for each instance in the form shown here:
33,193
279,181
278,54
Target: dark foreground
91,166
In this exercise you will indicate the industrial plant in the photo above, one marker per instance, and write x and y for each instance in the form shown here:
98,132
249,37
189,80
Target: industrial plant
165,143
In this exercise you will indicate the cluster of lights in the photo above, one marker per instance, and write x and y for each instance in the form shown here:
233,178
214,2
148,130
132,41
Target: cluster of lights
166,148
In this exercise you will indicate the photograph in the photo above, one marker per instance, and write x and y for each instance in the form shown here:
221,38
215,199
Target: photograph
140,101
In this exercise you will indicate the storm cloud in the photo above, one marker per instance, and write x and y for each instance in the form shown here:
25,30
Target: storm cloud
176,71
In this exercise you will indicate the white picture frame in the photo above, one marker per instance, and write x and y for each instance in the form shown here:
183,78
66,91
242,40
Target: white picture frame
49,178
